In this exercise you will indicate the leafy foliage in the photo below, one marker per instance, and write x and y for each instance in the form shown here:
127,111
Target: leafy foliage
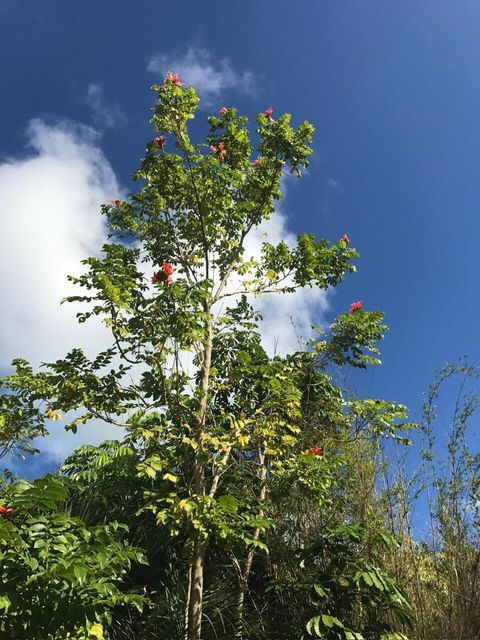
59,577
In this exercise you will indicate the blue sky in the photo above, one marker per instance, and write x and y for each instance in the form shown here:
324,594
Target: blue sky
393,89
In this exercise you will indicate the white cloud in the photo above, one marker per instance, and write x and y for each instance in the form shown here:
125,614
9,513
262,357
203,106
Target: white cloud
104,115
211,77
49,221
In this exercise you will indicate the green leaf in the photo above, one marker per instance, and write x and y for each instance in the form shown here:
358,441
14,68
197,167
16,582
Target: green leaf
39,544
319,590
331,621
313,626
80,572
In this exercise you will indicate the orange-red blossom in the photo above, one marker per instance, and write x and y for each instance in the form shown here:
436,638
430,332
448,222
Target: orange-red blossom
356,306
163,275
173,77
219,150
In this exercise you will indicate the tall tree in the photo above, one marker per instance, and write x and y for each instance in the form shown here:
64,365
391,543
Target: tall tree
221,426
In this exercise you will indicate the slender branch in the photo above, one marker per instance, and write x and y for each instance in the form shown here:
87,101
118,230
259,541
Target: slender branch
244,233
117,341
190,273
199,207
219,472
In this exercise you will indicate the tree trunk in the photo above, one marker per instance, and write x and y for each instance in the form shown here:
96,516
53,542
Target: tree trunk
195,607
247,566
187,605
240,604
195,603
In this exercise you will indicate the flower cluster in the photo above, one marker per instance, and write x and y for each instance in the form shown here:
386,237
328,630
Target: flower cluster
255,163
159,141
316,451
164,274
219,150
268,114
223,111
345,239
116,203
355,306
5,511
173,77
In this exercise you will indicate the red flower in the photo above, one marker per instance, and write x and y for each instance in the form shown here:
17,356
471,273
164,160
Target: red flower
5,511
159,141
168,268
223,111
173,77
163,274
116,203
268,114
355,306
345,239
255,162
219,151
316,451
